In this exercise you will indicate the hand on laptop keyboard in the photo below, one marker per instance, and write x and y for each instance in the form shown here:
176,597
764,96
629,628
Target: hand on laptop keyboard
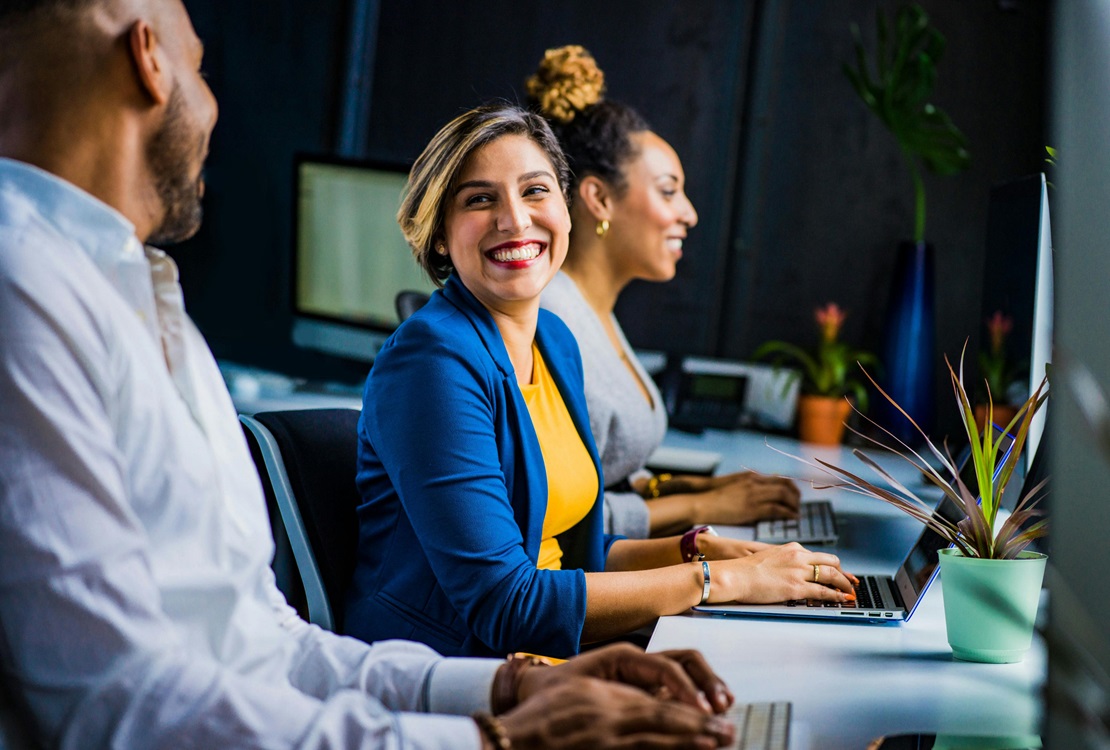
779,573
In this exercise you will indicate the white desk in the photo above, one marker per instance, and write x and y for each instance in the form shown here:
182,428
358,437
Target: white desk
852,682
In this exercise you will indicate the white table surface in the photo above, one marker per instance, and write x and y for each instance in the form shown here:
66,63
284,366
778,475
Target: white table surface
851,682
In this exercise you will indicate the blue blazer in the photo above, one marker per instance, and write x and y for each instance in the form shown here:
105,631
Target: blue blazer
454,492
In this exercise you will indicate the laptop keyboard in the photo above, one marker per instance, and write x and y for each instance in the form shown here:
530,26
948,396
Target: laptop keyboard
760,726
868,596
815,524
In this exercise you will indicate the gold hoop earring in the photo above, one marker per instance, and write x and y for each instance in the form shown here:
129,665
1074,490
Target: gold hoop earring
602,227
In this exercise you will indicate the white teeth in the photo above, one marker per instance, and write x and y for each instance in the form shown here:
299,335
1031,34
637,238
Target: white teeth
675,243
528,252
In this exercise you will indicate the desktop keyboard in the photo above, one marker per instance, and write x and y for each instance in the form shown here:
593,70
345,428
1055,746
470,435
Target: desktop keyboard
814,525
761,726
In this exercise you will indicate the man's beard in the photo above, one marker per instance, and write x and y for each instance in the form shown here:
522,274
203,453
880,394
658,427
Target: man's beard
170,154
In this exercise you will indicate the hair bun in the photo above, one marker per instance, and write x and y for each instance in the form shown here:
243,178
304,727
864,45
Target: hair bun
567,82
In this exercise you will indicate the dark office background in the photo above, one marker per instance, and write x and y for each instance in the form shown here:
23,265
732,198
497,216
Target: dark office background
802,193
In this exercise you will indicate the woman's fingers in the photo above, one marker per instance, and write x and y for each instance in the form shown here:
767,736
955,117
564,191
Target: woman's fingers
832,586
829,572
791,571
773,495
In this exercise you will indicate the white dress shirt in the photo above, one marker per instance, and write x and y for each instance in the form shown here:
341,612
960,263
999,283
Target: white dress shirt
137,605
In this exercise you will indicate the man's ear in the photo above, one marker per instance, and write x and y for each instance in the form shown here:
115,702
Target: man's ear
150,62
596,196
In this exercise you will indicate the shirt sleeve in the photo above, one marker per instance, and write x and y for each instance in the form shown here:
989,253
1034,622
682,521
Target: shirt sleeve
326,662
626,514
84,642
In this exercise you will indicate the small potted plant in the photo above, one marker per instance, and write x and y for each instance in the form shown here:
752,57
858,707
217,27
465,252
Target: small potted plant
991,581
998,373
828,375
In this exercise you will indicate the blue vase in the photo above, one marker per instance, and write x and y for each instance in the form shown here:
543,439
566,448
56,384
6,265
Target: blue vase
909,351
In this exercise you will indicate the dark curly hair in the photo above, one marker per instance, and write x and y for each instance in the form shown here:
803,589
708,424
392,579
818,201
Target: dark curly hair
595,132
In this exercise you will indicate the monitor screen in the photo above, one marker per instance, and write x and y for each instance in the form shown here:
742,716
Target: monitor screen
350,259
1017,282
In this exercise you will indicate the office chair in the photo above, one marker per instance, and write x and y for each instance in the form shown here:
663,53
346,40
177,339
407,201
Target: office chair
407,302
306,459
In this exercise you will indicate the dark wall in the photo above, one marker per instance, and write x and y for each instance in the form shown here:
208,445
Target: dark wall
826,196
801,192
275,67
682,65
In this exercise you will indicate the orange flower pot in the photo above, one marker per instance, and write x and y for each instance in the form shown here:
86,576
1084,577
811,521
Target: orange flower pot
821,419
1003,413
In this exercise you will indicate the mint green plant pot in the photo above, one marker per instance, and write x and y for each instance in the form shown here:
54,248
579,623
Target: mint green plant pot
990,605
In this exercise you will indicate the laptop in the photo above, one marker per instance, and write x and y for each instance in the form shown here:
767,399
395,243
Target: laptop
879,598
815,524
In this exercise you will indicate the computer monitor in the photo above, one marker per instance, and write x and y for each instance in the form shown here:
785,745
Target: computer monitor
1043,315
1017,281
349,257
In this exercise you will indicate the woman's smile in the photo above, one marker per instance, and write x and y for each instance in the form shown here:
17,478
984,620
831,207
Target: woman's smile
516,254
506,229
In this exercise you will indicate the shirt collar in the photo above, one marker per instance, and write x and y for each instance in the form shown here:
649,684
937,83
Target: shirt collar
103,232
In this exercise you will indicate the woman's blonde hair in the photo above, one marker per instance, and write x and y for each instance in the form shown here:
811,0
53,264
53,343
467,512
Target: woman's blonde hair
435,173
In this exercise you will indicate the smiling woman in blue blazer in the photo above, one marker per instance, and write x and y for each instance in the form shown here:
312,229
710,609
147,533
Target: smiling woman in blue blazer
480,527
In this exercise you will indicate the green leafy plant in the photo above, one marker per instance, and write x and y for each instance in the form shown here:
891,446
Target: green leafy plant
830,369
975,534
898,93
1051,160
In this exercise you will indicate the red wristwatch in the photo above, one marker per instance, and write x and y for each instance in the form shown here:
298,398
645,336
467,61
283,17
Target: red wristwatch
689,543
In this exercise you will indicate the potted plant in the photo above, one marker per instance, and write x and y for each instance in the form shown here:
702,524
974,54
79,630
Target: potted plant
899,92
991,582
997,371
828,375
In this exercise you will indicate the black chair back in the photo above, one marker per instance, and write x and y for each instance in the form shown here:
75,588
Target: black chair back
319,448
407,302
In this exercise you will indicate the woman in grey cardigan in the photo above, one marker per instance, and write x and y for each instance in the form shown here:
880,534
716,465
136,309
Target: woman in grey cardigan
630,217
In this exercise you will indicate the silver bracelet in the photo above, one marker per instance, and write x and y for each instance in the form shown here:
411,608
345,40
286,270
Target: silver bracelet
705,582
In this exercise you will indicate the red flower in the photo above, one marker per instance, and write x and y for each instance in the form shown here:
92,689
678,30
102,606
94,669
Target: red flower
829,318
999,325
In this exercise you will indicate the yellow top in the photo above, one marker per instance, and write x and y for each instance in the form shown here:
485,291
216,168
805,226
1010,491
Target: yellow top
571,476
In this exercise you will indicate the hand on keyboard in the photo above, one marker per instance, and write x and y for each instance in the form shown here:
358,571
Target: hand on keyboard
738,499
584,712
779,574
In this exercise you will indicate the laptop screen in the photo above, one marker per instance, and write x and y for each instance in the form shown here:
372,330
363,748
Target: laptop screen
921,564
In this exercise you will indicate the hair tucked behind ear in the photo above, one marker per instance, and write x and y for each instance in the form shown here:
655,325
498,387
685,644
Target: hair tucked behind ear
431,182
595,132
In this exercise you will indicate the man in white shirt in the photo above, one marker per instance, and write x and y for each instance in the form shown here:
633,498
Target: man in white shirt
137,607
